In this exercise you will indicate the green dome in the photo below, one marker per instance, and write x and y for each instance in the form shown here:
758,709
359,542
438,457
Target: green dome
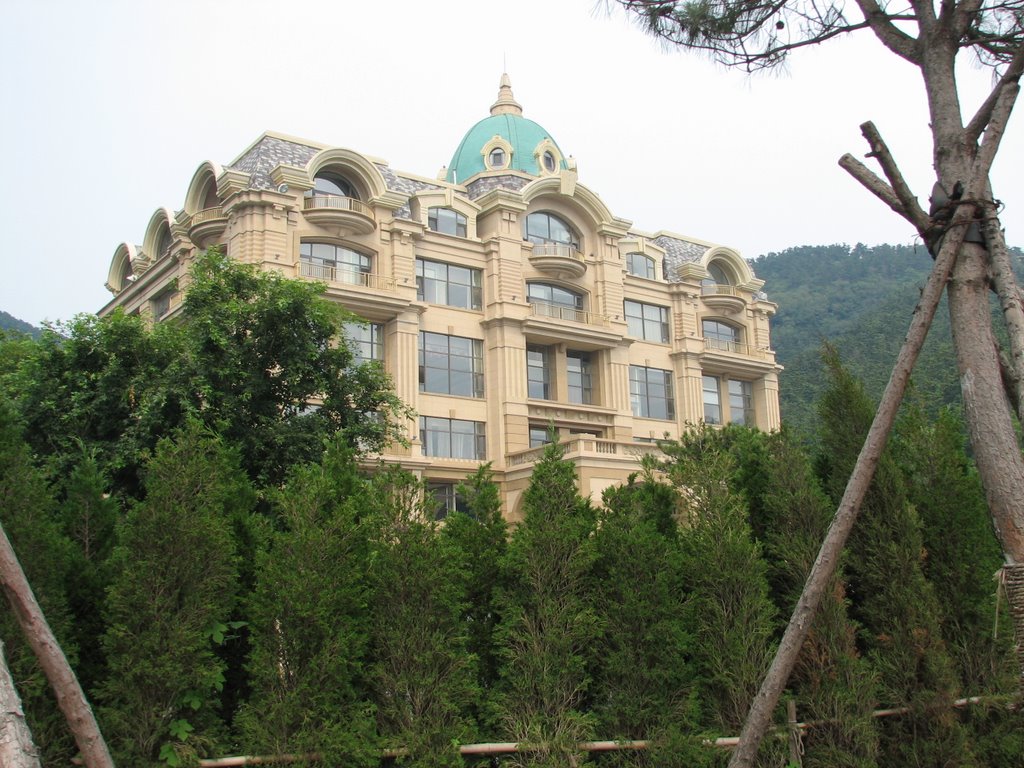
522,135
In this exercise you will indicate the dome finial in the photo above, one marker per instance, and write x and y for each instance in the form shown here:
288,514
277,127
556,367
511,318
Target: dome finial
506,103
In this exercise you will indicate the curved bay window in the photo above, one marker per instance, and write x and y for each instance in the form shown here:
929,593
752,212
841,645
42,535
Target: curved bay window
554,301
719,335
546,228
334,263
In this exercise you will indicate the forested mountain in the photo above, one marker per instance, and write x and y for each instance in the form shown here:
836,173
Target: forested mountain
860,299
9,322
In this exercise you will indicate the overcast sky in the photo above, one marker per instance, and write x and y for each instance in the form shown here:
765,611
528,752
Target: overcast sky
111,106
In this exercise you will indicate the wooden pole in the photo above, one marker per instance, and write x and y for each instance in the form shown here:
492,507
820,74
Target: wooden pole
70,698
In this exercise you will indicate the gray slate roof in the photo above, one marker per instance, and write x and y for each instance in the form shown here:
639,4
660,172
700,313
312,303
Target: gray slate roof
678,252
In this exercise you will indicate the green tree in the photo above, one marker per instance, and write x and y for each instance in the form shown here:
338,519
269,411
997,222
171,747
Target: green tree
891,598
480,539
644,677
310,620
833,686
88,516
423,678
729,608
172,595
961,554
547,618
256,357
29,517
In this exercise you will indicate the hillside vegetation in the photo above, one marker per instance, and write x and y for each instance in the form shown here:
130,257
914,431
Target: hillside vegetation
861,300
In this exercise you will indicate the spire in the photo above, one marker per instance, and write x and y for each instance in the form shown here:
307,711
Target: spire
506,103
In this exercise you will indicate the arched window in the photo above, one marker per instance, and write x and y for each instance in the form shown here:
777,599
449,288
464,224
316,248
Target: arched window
544,227
496,158
719,335
336,263
447,221
719,274
166,240
331,185
640,264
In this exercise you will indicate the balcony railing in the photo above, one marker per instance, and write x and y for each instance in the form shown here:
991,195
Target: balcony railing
346,276
208,214
561,312
336,203
559,250
589,446
717,289
725,345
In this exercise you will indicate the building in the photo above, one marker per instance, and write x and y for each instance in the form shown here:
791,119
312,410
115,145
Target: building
524,304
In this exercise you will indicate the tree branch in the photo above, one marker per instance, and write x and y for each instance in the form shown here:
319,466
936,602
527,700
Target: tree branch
981,118
874,185
880,151
1009,299
891,36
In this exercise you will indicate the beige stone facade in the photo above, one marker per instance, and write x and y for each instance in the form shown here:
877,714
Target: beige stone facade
503,297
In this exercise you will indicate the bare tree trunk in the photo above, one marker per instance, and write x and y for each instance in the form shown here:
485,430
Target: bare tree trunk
1010,300
16,747
70,698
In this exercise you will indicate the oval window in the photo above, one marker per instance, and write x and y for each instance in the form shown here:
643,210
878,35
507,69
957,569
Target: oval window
549,161
497,158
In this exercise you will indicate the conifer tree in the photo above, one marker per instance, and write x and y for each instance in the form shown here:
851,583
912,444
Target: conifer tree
726,578
423,678
834,687
891,598
28,515
961,555
480,539
548,618
644,679
310,621
89,515
173,592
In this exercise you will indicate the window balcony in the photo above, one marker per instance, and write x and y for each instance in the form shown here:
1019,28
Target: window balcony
542,309
584,447
343,275
207,225
726,298
736,348
563,261
338,211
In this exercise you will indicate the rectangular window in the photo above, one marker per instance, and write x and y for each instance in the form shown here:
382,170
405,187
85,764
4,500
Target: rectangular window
451,365
741,402
646,321
447,221
162,304
539,436
440,283
367,341
579,377
538,372
712,401
452,438
650,392
442,499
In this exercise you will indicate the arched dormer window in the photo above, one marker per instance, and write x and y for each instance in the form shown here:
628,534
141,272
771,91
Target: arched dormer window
546,228
720,274
166,241
447,221
329,184
641,265
719,335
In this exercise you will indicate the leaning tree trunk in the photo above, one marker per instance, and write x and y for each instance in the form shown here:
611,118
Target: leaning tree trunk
16,747
70,698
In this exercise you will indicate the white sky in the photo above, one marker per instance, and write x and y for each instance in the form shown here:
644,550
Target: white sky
112,105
